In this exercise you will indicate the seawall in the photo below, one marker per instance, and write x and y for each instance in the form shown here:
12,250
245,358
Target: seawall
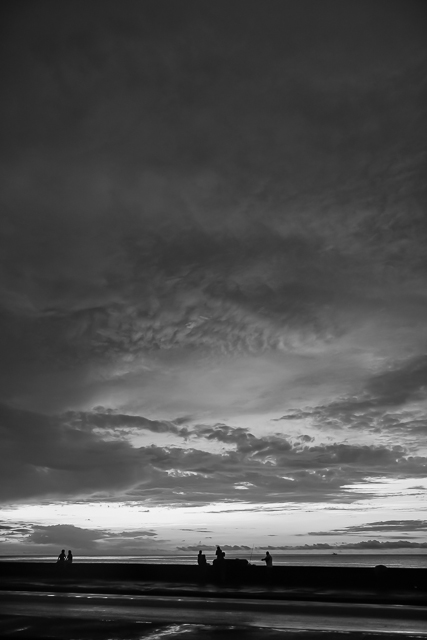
230,572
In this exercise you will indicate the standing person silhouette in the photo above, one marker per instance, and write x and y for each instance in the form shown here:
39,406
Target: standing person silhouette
219,563
268,559
61,557
69,557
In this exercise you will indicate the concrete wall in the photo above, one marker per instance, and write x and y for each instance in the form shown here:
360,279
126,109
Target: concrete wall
231,572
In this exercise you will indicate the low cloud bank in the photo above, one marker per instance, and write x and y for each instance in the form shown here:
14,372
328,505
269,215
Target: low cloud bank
36,538
389,526
366,544
321,546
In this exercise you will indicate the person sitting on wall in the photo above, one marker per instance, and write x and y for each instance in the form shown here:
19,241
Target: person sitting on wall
69,557
220,554
268,559
201,559
61,557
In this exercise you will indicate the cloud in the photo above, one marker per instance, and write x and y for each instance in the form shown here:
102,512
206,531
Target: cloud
389,408
363,545
14,533
398,385
375,544
38,538
88,456
224,547
387,526
65,535
43,457
161,251
107,420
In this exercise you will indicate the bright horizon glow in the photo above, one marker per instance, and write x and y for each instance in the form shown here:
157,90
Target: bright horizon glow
288,524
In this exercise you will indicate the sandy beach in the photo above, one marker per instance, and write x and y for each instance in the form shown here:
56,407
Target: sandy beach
63,616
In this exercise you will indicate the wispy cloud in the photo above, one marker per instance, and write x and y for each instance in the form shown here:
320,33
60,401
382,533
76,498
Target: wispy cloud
388,527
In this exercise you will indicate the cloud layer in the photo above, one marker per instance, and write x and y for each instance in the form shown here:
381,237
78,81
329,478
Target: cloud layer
82,456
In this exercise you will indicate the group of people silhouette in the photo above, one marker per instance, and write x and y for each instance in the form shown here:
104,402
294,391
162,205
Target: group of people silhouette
65,559
219,553
220,556
201,558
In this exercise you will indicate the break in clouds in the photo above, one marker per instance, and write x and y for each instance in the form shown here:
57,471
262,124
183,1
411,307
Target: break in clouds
212,250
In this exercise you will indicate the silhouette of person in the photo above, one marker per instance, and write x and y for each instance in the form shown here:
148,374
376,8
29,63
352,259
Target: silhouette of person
61,557
220,554
201,559
268,559
219,563
69,557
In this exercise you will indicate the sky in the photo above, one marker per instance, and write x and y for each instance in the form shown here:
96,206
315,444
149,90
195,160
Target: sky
213,276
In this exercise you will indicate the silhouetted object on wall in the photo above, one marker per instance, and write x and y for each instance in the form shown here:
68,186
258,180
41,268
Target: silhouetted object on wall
219,564
380,571
61,557
201,559
268,559
69,557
